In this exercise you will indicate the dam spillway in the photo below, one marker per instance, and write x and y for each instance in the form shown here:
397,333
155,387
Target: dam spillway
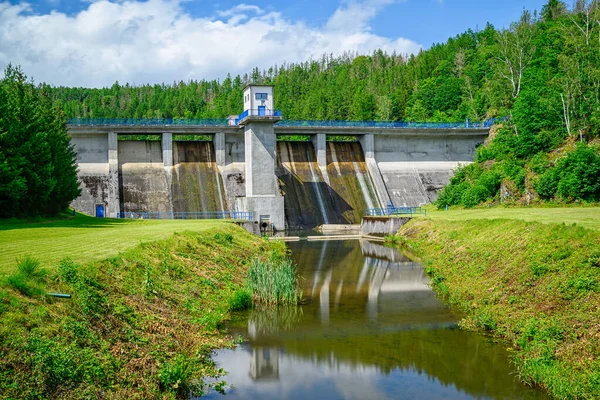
191,184
196,182
338,193
320,181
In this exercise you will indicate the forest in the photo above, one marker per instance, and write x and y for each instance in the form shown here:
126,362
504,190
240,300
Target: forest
542,73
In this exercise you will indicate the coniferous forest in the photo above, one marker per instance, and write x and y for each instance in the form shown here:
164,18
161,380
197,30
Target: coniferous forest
542,73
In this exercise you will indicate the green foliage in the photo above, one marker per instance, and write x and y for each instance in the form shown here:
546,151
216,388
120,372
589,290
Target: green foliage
132,329
534,285
29,277
175,375
273,282
470,186
38,172
225,239
241,300
575,177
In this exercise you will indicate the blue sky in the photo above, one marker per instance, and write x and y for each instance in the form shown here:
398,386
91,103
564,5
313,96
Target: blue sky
94,43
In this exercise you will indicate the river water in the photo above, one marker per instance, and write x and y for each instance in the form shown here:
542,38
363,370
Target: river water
370,328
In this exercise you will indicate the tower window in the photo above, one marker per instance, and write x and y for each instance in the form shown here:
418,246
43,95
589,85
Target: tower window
262,96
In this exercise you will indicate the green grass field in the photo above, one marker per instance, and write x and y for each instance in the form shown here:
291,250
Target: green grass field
83,238
588,217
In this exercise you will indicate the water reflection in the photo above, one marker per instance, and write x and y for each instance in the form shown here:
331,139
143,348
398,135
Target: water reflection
371,328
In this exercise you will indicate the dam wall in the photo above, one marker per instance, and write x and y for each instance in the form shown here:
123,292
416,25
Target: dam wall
232,167
97,172
323,182
144,181
415,168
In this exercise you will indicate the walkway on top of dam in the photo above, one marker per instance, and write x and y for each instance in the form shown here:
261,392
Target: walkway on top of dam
284,127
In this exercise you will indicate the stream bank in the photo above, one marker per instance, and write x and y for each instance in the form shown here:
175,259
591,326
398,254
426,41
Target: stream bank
536,286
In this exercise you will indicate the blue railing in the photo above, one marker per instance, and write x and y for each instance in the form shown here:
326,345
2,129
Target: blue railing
147,121
284,123
258,113
388,125
237,215
395,211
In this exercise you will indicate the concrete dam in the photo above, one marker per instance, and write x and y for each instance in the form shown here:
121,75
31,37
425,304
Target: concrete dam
187,176
247,165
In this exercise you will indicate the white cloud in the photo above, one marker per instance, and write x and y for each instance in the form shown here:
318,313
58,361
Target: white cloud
156,41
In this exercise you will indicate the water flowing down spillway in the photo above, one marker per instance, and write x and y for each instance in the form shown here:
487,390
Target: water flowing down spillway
349,179
143,180
307,199
193,184
314,196
196,182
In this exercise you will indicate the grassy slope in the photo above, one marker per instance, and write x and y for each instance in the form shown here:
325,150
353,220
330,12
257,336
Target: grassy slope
140,324
588,217
83,238
535,285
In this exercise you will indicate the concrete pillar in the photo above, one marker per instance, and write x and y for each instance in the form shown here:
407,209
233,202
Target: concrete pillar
260,145
114,202
167,149
319,142
167,156
219,145
262,189
367,143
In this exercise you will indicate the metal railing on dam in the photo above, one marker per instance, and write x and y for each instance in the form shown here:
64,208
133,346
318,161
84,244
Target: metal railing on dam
386,124
146,122
395,211
141,122
235,215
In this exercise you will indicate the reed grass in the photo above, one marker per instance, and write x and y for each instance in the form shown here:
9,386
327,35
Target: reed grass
273,282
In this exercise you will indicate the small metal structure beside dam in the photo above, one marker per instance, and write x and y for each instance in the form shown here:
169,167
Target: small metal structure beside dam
247,165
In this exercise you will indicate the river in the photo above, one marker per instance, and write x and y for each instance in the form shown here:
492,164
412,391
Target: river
369,328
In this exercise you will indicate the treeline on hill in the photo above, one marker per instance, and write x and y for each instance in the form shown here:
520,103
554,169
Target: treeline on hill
542,72
550,147
38,170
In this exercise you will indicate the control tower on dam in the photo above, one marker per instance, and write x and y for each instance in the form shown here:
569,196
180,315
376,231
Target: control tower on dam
249,164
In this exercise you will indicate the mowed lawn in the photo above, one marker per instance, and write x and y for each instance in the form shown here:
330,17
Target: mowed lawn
83,238
588,217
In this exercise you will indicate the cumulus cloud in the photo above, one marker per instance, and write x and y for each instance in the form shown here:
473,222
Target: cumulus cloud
157,41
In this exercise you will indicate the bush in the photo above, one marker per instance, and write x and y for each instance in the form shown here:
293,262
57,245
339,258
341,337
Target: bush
473,196
241,300
547,184
575,177
175,375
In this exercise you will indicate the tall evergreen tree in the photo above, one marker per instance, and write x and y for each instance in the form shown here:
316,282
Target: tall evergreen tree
38,173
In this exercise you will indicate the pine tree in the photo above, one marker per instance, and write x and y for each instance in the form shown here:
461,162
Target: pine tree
38,173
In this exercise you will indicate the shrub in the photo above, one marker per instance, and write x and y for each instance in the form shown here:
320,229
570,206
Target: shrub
575,177
30,267
241,300
175,375
547,184
67,270
539,163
